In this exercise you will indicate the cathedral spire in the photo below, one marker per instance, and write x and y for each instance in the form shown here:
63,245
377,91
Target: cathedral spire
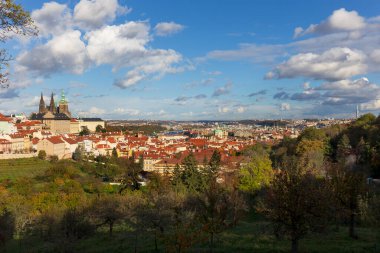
52,108
42,107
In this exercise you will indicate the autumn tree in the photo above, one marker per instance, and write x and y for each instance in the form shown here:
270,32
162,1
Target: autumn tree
347,186
296,202
107,210
42,154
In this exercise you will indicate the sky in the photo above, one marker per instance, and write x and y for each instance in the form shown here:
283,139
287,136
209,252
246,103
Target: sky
197,60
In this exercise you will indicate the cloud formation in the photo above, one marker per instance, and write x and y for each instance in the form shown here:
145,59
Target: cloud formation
91,14
63,53
334,64
261,92
167,28
340,20
226,89
78,39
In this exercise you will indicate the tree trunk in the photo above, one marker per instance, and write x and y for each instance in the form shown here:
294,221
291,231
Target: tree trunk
111,228
352,233
155,240
294,245
136,242
211,242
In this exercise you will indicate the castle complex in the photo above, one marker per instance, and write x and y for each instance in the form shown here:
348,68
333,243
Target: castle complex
58,119
62,108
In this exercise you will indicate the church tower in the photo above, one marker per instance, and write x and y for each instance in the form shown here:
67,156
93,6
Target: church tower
42,107
64,105
52,107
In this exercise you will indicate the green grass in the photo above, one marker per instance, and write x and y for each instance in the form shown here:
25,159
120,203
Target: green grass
248,236
25,167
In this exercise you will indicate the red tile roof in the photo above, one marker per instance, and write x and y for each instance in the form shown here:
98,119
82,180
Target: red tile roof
55,140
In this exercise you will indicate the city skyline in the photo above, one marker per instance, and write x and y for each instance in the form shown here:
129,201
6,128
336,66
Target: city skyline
225,60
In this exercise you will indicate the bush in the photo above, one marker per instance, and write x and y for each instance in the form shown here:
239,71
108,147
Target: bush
42,154
53,158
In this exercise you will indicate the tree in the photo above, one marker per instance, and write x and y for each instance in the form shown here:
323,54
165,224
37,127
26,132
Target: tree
191,177
85,131
107,210
311,154
53,158
297,202
215,210
256,174
114,153
99,129
14,20
347,186
343,149
78,153
42,154
7,226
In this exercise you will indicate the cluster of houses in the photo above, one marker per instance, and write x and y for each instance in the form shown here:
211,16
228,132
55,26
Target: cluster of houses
160,153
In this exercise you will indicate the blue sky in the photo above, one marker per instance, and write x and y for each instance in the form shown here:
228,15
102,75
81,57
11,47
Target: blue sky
190,60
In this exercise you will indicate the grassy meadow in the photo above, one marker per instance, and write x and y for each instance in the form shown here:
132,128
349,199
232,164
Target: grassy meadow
25,167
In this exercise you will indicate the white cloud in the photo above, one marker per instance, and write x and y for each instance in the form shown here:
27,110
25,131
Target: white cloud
90,14
297,32
223,109
339,93
284,107
52,19
370,106
241,109
252,52
96,111
334,64
64,53
126,46
340,20
118,44
127,111
167,28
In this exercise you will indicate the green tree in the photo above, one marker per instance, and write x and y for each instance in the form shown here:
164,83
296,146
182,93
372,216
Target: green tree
191,177
99,129
257,174
85,131
114,153
343,149
78,153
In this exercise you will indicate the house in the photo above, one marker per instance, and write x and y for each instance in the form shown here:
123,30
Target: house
18,143
6,125
104,149
5,146
53,146
70,144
